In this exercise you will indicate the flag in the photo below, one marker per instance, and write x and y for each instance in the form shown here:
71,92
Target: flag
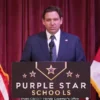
95,72
4,82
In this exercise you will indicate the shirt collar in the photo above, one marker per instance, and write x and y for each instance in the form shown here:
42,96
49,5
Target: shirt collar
57,35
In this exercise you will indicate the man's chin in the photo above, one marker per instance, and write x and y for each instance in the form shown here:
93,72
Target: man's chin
53,32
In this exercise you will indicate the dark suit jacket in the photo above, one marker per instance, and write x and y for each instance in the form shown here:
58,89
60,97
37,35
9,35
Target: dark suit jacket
36,48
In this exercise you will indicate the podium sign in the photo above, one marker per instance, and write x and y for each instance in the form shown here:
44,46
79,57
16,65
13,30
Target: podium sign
51,79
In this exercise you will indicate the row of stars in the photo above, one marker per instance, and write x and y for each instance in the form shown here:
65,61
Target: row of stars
69,74
32,74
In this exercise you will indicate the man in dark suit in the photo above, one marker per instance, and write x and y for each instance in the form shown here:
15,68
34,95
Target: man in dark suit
38,48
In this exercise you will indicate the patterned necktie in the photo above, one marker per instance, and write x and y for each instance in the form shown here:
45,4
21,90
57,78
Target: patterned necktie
52,49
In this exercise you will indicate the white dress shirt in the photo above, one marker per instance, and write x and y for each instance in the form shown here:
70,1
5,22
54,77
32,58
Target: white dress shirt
56,40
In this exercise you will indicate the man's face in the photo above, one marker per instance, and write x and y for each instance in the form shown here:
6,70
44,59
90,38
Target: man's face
52,22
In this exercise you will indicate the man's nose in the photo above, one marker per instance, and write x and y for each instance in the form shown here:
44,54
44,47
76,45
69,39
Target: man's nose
52,22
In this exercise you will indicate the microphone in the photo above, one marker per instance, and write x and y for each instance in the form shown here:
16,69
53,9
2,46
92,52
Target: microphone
51,45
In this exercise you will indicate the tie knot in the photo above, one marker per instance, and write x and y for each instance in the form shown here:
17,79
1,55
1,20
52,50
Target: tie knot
52,37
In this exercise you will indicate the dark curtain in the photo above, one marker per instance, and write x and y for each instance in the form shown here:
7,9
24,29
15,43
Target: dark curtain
22,18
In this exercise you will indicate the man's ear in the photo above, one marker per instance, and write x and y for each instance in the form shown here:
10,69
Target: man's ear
43,21
61,20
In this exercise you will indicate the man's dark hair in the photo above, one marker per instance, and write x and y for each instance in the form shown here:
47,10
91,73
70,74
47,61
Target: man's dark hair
50,9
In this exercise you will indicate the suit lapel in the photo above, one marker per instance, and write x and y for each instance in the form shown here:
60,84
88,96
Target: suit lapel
44,46
62,45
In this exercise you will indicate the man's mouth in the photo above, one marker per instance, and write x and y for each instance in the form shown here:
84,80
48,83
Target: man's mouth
52,28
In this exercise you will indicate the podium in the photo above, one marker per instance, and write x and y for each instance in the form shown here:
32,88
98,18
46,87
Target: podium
50,79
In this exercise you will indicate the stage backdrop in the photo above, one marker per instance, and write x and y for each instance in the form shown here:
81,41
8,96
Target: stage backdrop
22,18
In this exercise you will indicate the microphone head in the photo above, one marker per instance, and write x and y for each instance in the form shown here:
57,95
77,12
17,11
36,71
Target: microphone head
51,45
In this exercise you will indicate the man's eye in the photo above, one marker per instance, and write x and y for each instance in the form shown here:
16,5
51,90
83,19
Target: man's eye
48,19
55,19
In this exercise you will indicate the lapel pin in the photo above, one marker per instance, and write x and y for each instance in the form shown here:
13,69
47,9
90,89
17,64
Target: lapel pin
66,40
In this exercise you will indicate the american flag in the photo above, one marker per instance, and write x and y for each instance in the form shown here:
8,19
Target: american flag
4,82
95,72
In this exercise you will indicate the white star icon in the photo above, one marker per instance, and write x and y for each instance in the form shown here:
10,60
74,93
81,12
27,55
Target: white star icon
69,74
24,75
51,70
77,75
32,74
